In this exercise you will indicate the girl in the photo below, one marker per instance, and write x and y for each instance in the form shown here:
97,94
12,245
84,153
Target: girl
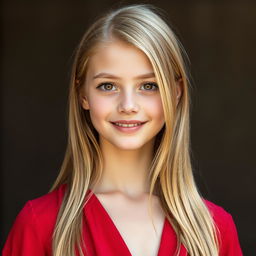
128,145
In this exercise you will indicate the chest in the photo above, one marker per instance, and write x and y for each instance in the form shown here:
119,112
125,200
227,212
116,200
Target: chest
140,231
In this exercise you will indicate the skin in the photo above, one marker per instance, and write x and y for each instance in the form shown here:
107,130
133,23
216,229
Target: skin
123,189
126,156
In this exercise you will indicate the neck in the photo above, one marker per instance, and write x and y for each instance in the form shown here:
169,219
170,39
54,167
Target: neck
125,171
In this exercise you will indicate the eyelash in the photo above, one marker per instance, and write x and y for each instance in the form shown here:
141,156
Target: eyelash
151,83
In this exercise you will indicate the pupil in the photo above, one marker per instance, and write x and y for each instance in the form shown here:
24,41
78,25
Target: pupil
109,86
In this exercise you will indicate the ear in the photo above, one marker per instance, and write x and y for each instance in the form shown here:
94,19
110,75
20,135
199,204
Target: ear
84,102
179,90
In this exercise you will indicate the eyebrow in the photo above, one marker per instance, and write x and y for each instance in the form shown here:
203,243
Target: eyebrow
108,75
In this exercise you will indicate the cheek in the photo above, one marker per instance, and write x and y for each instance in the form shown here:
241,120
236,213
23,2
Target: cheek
100,108
155,109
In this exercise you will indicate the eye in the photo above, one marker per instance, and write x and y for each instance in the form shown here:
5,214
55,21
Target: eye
106,85
150,85
147,86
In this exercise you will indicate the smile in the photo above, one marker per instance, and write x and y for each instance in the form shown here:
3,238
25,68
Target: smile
127,125
128,128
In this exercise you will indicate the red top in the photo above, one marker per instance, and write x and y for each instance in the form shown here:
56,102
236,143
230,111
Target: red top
33,228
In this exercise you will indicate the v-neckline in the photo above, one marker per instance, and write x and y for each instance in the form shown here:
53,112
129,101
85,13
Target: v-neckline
118,232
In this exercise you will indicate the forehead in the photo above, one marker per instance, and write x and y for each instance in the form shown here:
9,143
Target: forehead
120,58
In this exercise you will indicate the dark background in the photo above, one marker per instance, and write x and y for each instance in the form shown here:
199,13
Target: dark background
39,38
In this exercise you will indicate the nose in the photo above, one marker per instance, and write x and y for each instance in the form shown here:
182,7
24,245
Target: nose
128,103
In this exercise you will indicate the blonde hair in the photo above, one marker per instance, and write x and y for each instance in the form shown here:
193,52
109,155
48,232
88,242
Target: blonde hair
143,26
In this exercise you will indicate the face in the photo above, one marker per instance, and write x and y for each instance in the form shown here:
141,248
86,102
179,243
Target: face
120,85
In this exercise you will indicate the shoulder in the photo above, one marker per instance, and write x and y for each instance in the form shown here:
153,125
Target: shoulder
43,210
47,204
43,206
32,229
219,214
230,244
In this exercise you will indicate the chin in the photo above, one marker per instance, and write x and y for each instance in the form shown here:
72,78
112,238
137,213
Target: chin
129,145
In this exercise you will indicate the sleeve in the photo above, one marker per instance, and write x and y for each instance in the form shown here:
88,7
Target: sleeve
23,238
230,240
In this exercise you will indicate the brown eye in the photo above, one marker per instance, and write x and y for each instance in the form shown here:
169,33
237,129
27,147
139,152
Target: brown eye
148,86
107,86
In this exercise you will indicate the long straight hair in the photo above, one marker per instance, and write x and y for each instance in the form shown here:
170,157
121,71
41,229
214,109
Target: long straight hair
143,26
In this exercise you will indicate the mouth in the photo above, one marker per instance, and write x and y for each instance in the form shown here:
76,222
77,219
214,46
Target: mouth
127,125
128,128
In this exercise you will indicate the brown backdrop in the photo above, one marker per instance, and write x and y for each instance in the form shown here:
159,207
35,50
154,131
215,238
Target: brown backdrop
39,38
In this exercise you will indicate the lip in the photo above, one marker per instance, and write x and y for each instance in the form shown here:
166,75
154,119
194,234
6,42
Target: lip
129,130
129,122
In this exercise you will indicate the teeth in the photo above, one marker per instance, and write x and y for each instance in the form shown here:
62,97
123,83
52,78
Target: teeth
127,125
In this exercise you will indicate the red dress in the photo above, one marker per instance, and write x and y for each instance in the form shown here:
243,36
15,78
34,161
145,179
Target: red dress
33,228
